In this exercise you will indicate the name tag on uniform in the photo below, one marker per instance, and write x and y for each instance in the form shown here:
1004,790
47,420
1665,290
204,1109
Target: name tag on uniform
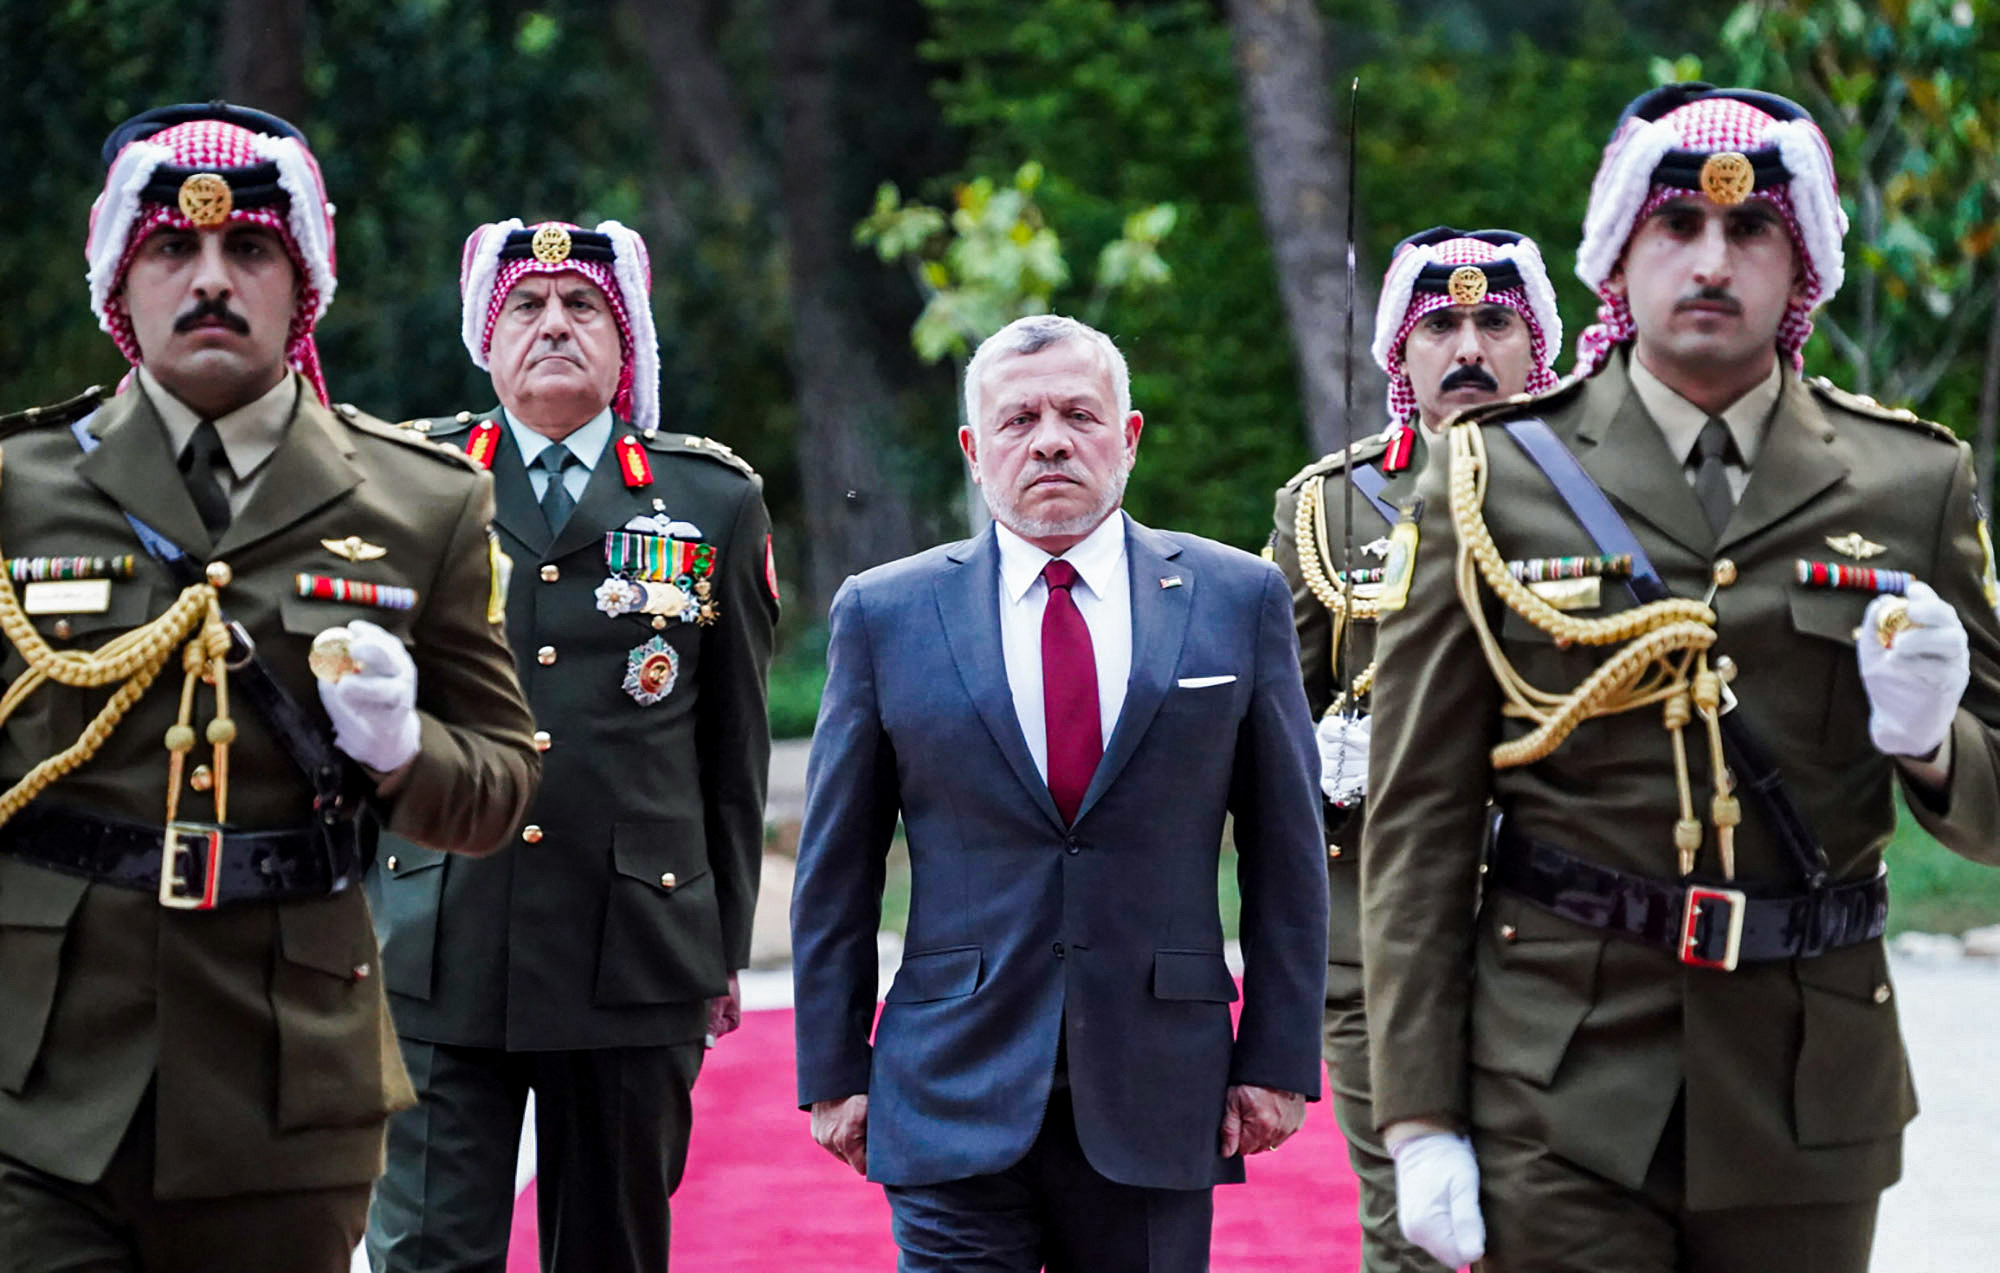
67,596
1570,594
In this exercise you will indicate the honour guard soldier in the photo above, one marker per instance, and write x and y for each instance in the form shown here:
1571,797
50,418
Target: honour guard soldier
1465,318
1691,622
588,962
196,1062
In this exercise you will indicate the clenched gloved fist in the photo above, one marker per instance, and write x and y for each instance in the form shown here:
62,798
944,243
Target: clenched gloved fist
374,706
1437,1197
1343,757
1913,683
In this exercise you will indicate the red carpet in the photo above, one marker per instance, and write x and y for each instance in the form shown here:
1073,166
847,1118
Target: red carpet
761,1197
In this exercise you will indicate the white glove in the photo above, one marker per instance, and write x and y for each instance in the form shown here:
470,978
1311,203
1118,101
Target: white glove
374,707
1343,757
1437,1197
1915,683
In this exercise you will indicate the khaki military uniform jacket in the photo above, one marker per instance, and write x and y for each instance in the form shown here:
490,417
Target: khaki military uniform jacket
626,897
1319,659
1793,1073
263,1025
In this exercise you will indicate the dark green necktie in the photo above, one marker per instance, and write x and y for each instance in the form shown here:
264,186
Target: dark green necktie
1714,448
555,460
202,460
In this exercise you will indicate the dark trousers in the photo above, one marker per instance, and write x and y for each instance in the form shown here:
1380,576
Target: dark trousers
1052,1209
1384,1249
1545,1214
611,1138
116,1225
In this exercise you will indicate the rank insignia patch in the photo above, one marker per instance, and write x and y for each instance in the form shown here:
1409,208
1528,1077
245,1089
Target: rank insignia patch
483,443
650,672
1397,569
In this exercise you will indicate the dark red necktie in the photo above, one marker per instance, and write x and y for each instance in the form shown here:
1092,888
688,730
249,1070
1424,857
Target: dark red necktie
1069,693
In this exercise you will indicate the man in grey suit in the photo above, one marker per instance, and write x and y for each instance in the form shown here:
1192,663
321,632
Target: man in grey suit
1063,711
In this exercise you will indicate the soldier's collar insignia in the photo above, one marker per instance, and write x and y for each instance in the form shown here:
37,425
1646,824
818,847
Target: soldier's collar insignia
354,548
550,245
1855,545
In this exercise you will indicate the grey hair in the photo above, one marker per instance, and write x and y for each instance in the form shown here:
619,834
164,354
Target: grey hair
1033,334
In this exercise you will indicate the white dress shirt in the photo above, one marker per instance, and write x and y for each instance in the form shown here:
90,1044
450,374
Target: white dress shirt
1682,421
250,434
1103,596
586,444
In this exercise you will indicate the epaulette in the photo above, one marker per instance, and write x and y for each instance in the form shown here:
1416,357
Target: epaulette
1368,448
694,444
1514,406
1863,405
64,412
434,427
361,422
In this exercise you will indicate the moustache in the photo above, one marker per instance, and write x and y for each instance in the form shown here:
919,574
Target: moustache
216,308
1469,376
1710,296
1050,470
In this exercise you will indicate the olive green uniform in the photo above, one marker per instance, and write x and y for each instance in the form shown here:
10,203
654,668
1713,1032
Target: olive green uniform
252,1041
1623,1105
579,962
1384,1248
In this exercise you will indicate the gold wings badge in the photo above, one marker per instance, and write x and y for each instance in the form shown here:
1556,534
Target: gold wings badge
354,548
1855,546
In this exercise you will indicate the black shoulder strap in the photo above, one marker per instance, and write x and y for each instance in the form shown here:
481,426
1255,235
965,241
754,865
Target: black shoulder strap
1754,768
303,741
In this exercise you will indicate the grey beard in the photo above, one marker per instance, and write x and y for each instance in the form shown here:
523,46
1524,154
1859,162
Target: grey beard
1006,510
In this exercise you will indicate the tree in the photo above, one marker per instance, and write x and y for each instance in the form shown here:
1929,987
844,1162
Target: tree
264,55
1303,192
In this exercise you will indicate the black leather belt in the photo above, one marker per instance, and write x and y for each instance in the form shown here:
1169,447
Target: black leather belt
190,865
1705,925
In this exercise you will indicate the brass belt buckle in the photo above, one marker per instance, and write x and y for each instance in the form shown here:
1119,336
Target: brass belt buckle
187,846
1701,901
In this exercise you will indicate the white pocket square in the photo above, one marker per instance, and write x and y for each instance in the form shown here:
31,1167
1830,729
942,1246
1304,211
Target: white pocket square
1203,682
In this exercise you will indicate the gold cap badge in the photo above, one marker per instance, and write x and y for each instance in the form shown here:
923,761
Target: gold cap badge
354,548
206,199
1855,545
1467,285
550,245
1727,178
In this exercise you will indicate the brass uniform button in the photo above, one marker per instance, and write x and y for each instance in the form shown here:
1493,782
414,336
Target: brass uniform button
541,740
1725,573
531,833
62,629
1725,667
219,574
659,622
550,574
1882,993
546,655
1333,851
668,881
463,417
202,778
391,863
1508,932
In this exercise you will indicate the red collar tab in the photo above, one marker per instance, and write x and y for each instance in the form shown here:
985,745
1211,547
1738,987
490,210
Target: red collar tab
632,463
483,443
1401,448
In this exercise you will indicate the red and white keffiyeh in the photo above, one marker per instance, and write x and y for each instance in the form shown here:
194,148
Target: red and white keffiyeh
123,216
1403,306
484,280
1626,191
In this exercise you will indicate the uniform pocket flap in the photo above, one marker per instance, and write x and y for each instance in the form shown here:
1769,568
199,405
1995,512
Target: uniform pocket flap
1829,613
651,851
321,934
1192,974
936,974
35,897
309,616
396,859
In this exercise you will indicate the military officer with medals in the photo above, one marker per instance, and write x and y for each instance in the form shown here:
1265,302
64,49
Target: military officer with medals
197,1061
588,962
1465,317
1691,622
